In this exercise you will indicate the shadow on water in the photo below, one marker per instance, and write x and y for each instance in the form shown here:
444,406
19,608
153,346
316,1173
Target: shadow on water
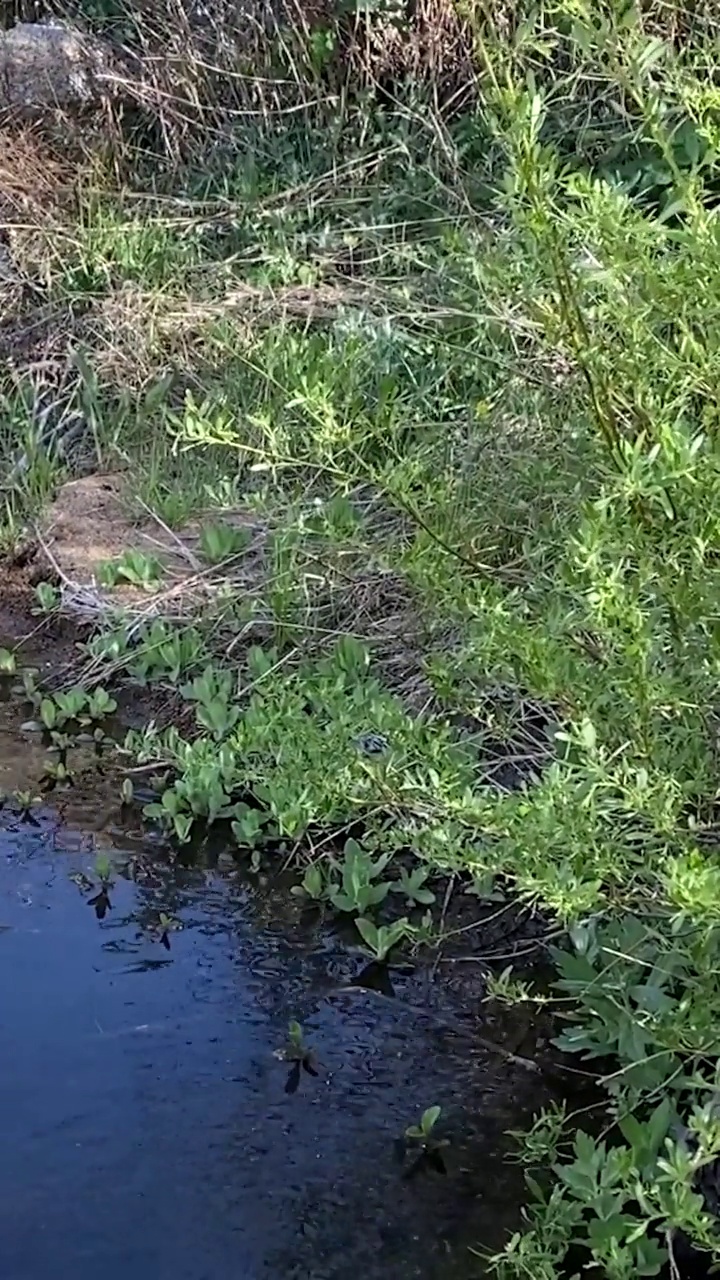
148,1130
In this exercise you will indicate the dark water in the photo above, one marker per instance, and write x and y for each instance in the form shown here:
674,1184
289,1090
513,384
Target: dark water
145,1128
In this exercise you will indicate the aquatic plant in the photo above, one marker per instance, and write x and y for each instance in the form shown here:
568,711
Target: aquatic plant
26,801
104,869
317,883
423,1131
56,774
100,704
359,887
380,939
420,1142
299,1055
166,925
47,596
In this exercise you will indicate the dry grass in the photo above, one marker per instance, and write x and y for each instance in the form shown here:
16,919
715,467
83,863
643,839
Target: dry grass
190,73
134,332
33,179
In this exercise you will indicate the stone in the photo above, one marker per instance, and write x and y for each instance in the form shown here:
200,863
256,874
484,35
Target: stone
45,67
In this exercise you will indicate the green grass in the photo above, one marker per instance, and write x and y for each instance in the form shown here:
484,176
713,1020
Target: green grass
468,389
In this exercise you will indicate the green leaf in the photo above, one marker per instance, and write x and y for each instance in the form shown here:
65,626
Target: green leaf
658,1125
48,713
429,1119
588,736
313,881
8,662
345,902
374,894
368,932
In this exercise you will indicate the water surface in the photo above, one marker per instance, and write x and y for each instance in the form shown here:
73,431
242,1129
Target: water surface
146,1128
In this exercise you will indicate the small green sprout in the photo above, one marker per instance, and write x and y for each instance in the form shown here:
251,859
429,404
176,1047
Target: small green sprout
360,889
221,541
49,713
423,1131
132,567
412,885
380,939
71,703
26,801
56,774
420,1143
103,869
100,704
167,925
8,662
314,884
47,596
297,1053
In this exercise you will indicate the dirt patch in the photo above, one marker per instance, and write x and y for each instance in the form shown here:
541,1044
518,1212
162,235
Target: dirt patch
91,523
49,642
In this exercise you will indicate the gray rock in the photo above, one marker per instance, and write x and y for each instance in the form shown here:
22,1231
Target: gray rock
43,66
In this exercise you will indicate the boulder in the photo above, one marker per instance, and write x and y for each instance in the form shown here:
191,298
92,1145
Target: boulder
45,67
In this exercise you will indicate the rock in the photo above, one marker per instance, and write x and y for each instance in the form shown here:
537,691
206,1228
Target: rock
44,67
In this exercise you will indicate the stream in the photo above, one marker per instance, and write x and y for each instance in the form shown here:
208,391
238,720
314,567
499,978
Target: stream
147,1131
